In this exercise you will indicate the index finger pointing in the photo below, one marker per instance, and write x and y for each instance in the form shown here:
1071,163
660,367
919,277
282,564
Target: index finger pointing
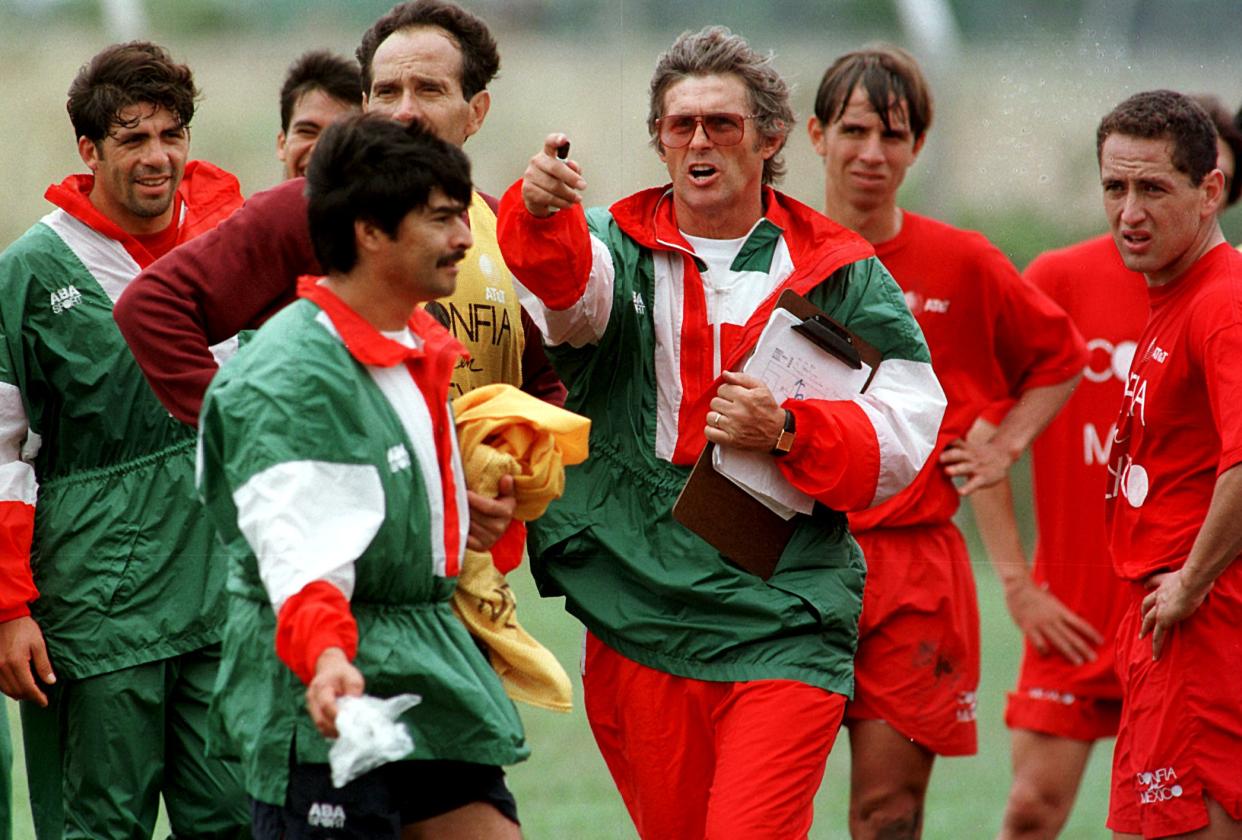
553,143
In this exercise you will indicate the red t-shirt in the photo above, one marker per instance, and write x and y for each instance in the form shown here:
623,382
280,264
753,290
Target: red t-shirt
1108,304
162,241
1181,417
991,335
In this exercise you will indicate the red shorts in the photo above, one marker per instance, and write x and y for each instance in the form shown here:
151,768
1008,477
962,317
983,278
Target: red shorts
709,759
1056,697
1062,714
917,666
1181,722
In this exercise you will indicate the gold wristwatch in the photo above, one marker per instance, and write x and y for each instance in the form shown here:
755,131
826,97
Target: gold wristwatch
785,442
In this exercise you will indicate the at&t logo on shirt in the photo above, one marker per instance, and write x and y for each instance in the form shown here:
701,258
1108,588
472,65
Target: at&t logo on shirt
918,304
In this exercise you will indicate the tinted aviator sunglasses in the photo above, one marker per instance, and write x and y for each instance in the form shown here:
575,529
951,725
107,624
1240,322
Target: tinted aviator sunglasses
677,130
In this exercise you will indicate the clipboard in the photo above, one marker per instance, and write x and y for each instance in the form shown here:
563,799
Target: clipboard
728,518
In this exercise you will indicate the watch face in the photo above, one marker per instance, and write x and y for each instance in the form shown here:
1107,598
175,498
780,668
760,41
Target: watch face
784,443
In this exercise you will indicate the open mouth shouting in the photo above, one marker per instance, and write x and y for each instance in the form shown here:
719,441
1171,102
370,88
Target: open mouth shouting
702,173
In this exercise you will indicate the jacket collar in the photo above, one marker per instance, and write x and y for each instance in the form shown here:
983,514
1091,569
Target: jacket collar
205,195
817,245
371,347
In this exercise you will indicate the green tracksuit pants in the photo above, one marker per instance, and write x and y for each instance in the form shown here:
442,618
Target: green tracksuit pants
107,747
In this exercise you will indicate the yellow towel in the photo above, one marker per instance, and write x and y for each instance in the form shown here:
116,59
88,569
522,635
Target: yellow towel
504,431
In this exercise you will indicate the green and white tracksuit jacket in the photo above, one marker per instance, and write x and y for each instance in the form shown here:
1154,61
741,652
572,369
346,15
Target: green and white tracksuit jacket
102,537
639,329
330,465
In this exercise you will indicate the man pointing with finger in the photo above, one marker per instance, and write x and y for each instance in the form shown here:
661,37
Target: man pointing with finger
714,695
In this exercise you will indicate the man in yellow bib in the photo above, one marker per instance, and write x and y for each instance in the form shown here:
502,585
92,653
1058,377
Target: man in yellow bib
427,60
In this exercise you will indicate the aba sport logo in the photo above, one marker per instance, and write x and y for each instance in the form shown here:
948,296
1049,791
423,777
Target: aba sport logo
325,815
1158,786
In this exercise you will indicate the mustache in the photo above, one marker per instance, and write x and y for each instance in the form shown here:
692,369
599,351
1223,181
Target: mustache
451,259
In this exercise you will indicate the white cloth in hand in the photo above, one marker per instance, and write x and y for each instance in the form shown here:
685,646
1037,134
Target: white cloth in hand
370,735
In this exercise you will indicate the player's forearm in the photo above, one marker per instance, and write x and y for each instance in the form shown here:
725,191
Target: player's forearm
1219,541
164,333
315,619
1033,410
998,530
18,492
17,586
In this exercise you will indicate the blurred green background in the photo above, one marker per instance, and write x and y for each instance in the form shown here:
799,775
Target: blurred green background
1019,89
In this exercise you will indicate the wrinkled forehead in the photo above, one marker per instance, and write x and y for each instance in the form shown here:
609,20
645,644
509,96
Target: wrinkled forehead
709,93
1129,156
421,49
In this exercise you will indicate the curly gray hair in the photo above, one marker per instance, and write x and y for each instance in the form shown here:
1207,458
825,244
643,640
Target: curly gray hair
715,51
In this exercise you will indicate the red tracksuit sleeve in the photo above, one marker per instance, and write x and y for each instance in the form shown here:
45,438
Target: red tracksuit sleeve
551,257
316,618
205,291
18,492
835,457
17,588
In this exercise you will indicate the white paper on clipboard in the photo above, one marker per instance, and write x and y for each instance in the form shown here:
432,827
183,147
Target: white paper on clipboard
792,366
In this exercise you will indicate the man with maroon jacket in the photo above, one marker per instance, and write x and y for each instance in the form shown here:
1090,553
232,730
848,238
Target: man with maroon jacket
427,60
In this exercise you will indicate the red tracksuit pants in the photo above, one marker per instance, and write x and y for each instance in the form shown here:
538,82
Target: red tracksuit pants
696,759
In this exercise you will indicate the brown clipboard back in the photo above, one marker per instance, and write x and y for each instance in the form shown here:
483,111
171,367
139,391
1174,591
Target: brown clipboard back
728,518
731,520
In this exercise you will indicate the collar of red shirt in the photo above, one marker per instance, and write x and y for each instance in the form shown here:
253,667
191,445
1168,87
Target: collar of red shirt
73,196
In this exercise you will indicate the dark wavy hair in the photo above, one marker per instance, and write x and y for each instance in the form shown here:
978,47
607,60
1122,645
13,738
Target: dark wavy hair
480,60
1165,115
371,168
336,75
123,75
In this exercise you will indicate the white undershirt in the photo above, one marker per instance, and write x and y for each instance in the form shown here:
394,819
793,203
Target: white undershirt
719,279
403,337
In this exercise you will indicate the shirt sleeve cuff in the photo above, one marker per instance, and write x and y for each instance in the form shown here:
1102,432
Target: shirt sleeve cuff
314,619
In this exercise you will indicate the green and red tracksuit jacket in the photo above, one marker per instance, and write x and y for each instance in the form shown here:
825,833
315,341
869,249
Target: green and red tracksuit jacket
619,295
102,537
330,466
